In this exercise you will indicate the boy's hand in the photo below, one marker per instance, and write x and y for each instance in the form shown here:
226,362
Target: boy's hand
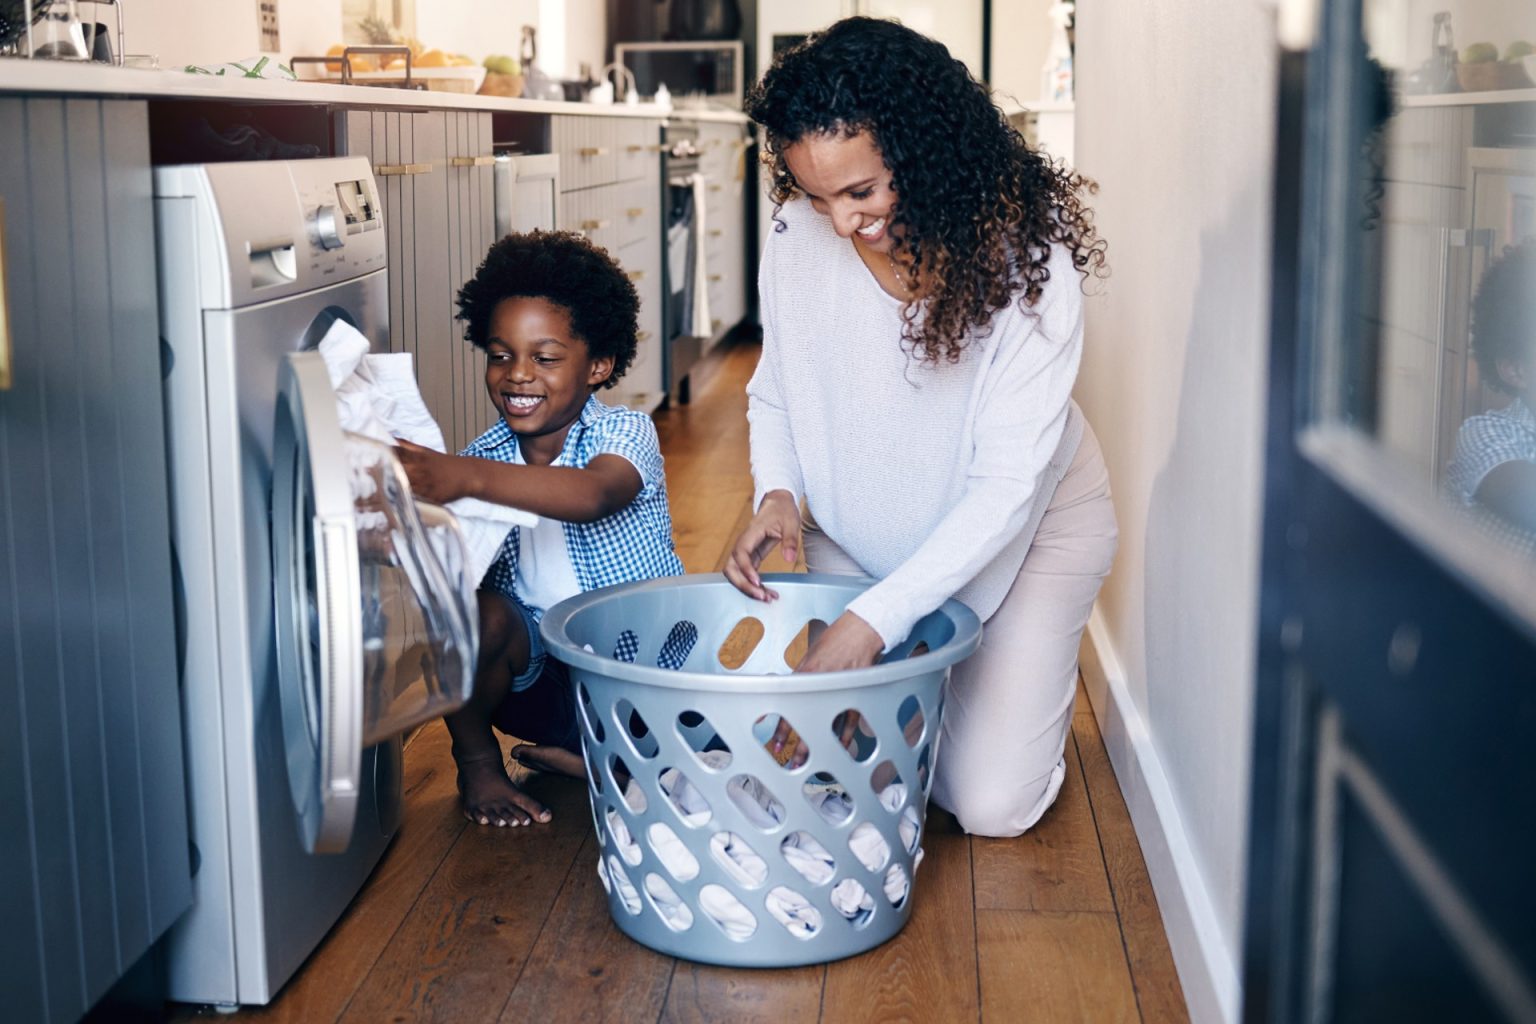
849,642
777,523
434,476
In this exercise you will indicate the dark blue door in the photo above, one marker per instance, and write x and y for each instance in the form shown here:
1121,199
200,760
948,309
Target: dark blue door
1394,794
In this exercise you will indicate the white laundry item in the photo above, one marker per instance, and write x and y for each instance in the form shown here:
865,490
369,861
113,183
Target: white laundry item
377,396
701,326
747,868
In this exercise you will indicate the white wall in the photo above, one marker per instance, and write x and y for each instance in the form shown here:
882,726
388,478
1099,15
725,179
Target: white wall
1175,116
216,31
1021,37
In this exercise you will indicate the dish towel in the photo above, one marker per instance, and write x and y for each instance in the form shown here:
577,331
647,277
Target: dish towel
745,867
376,396
700,326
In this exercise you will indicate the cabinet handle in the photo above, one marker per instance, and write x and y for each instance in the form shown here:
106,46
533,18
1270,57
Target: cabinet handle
635,275
643,337
714,325
593,225
634,211
716,188
5,312
472,161
716,232
592,151
717,277
656,148
634,149
396,170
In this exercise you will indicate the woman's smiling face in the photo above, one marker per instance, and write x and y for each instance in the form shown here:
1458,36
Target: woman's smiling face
846,179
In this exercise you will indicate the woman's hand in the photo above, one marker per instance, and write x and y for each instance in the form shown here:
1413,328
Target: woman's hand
849,642
434,476
777,523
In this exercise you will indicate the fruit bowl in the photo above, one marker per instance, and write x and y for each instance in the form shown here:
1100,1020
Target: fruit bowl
459,78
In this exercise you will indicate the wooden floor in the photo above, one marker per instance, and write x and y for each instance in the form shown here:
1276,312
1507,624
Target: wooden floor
468,924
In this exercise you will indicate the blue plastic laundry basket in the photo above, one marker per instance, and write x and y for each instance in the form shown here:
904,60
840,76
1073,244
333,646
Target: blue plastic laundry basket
710,848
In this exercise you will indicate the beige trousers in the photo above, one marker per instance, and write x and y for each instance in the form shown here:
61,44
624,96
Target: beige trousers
1008,706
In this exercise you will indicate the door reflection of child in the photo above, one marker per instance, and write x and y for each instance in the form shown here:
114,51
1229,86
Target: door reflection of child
1493,473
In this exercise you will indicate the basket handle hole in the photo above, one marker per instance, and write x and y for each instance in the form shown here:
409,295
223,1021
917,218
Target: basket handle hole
635,729
828,798
804,852
701,737
912,721
691,807
740,643
808,634
678,645
782,740
855,734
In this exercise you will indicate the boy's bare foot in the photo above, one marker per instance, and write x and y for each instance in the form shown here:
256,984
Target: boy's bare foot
548,758
489,797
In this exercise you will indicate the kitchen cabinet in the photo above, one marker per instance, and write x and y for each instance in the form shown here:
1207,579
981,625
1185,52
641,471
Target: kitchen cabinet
610,181
724,163
434,171
95,856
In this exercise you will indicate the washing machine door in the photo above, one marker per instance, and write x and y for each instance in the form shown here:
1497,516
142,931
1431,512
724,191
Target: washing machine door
377,622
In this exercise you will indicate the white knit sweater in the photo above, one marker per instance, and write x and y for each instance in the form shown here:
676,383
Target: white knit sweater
929,476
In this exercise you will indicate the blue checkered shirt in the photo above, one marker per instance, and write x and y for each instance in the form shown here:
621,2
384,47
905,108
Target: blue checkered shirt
1484,442
634,543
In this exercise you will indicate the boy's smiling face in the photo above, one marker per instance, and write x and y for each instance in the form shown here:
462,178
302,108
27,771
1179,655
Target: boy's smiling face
538,373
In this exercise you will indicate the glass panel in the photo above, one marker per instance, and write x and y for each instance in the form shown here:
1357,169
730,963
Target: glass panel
417,602
1433,253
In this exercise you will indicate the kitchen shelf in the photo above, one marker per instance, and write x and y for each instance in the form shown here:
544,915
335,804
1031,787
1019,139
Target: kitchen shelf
1470,99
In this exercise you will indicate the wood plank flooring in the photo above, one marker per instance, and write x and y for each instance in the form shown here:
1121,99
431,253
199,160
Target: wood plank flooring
461,923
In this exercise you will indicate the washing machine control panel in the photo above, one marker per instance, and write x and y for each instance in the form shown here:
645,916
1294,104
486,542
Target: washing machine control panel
343,219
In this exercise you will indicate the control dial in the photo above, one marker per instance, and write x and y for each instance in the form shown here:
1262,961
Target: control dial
324,229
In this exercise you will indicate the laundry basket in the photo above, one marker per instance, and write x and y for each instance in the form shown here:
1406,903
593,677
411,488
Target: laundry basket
711,849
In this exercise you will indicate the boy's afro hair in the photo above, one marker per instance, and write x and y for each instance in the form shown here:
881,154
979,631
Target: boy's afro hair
1502,327
566,269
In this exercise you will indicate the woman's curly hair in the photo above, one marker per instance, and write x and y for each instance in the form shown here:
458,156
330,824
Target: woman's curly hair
976,210
1502,329
566,269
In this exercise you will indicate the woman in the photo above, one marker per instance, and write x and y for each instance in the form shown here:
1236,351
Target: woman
922,327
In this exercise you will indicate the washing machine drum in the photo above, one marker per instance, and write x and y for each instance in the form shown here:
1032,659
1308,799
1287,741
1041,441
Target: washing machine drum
376,616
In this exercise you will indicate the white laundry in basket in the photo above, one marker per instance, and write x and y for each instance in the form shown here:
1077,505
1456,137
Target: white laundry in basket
377,396
747,869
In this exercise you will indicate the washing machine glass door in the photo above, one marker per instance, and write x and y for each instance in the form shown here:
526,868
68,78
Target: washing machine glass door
376,617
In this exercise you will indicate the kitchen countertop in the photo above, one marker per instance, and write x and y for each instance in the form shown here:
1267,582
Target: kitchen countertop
69,78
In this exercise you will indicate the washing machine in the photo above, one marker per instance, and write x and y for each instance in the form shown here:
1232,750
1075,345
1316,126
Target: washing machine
321,610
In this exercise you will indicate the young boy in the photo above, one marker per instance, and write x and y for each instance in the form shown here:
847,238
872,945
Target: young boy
1493,473
556,318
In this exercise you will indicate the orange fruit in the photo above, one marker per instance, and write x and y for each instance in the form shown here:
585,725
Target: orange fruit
432,59
335,51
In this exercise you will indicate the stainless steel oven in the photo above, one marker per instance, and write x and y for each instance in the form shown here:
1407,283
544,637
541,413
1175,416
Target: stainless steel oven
683,251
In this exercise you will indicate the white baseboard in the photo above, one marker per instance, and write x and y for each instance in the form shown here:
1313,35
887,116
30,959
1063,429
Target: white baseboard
1207,967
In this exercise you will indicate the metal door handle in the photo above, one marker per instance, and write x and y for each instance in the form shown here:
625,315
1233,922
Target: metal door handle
5,312
593,225
472,161
396,170
592,151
